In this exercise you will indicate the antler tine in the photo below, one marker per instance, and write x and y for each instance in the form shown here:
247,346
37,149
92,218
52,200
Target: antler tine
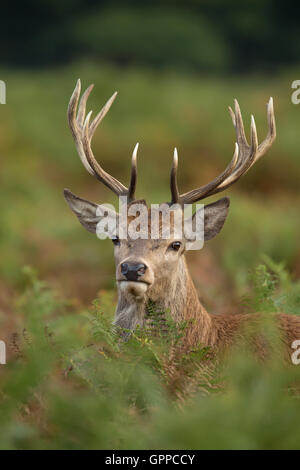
75,126
271,135
83,132
173,179
102,114
133,177
82,105
239,125
245,155
72,108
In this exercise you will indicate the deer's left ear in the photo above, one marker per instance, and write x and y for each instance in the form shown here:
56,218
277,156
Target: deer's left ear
214,217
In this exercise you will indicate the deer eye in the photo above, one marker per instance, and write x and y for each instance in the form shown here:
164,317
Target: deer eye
175,246
116,241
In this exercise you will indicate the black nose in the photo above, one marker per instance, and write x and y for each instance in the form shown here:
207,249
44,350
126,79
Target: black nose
132,271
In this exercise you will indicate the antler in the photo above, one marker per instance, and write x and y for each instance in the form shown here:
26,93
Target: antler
244,157
83,131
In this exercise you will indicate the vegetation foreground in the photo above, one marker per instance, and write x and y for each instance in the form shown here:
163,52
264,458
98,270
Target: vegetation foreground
72,382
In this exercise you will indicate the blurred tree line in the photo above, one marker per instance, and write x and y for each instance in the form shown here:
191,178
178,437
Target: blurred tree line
206,35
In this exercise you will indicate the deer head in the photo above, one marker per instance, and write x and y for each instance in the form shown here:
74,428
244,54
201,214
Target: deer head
148,268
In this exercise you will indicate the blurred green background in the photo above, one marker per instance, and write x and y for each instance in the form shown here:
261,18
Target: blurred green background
176,66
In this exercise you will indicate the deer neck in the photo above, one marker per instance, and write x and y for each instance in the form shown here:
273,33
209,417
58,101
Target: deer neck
175,294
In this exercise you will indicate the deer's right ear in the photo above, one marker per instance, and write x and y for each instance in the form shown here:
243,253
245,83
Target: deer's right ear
89,214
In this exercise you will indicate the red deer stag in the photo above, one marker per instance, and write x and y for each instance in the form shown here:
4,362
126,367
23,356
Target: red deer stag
155,269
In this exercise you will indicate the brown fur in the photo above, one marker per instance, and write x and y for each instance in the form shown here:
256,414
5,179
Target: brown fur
222,332
170,286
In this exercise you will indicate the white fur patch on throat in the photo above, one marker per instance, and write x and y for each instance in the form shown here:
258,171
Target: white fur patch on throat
136,289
